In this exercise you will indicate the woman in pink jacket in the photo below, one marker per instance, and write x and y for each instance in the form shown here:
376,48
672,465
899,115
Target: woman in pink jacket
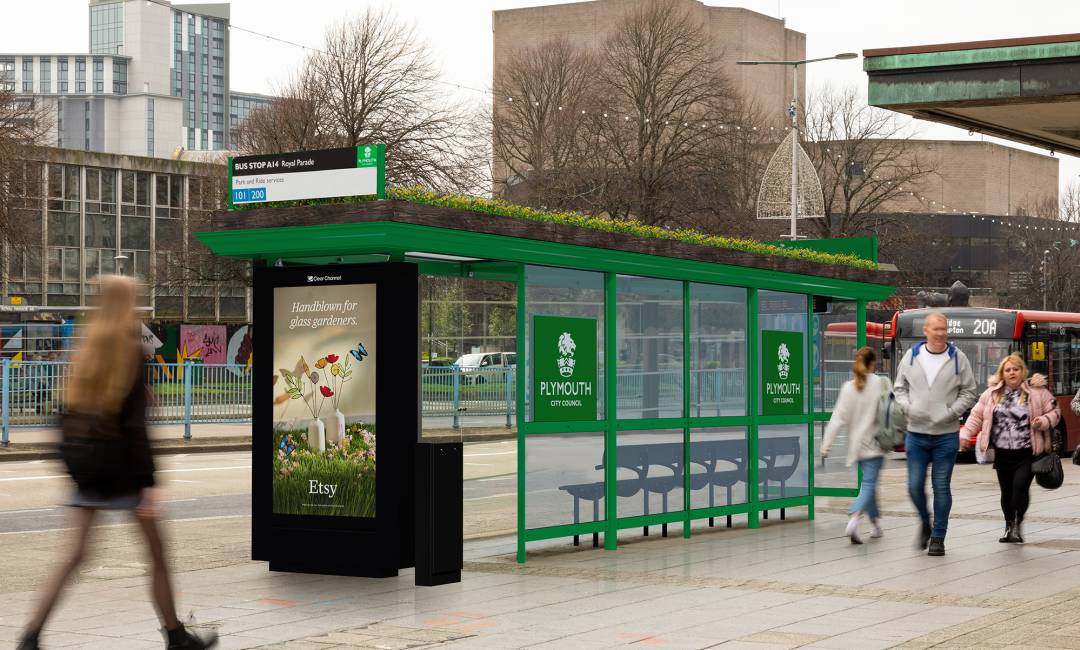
1014,416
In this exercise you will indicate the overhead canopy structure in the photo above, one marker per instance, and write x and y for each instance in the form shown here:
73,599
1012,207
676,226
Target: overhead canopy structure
1022,89
656,381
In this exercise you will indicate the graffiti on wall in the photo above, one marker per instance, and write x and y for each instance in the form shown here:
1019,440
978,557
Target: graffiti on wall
205,343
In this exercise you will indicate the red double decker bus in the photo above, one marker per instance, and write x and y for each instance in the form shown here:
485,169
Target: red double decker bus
1049,342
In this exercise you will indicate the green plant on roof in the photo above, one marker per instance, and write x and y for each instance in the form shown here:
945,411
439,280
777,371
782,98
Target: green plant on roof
500,208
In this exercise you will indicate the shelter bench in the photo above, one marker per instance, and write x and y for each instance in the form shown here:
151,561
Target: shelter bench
658,469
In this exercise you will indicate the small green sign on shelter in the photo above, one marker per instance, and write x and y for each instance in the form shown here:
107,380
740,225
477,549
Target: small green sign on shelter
564,369
781,373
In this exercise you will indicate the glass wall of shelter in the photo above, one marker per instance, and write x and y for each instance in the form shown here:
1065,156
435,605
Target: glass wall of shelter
682,431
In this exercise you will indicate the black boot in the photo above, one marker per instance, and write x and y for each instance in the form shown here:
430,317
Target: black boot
1005,539
1015,536
181,639
936,547
28,641
924,535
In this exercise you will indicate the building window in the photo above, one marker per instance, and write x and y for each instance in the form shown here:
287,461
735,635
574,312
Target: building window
86,114
99,75
45,83
62,76
59,122
119,77
80,75
28,74
149,126
7,75
107,28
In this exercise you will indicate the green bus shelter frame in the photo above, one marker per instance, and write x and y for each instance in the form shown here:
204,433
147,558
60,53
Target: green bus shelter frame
483,255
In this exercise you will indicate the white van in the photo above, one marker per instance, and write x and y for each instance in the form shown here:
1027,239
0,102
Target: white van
477,367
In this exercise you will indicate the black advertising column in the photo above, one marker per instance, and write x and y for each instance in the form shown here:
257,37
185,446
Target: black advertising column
335,422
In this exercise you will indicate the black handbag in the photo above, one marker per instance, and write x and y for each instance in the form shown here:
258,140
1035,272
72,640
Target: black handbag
93,451
1048,471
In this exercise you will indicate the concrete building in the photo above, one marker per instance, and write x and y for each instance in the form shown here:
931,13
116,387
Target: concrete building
155,79
84,214
978,177
735,34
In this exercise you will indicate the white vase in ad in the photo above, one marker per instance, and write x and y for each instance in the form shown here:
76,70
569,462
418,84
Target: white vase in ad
316,435
337,428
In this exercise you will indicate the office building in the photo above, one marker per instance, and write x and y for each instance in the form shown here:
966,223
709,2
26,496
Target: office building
155,80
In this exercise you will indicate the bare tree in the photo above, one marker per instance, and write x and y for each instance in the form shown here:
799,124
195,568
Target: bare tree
661,77
374,80
295,120
865,158
540,120
25,124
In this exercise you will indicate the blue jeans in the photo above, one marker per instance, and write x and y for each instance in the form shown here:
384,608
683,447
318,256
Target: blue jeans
940,451
867,499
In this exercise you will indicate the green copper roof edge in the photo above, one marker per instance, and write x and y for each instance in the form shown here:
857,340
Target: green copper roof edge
971,57
391,237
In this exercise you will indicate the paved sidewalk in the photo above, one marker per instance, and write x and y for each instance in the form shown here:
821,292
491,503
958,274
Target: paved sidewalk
789,584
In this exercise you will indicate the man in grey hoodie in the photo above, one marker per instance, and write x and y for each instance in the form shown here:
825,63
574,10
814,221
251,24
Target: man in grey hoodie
934,388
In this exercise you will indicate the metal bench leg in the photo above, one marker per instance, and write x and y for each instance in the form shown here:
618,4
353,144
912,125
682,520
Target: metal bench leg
765,514
663,530
646,531
595,540
781,496
576,543
729,521
710,522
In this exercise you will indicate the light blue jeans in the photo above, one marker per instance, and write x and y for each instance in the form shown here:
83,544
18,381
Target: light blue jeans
866,502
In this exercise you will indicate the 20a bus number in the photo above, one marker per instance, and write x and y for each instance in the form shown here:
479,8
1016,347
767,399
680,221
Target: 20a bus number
985,327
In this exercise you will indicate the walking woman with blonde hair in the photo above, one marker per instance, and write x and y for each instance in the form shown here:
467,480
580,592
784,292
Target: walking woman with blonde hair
856,410
105,411
1014,417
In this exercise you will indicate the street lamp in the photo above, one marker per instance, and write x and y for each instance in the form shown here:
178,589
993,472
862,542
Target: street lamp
1045,270
793,111
120,259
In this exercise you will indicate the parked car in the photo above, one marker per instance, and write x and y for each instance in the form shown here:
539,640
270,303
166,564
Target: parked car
477,367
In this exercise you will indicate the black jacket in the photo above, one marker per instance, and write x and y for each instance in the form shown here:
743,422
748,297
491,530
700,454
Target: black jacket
131,467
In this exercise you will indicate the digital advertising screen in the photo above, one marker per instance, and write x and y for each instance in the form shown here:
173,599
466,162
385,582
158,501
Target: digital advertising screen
325,351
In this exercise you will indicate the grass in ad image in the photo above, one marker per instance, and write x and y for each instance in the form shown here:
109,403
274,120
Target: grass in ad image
339,481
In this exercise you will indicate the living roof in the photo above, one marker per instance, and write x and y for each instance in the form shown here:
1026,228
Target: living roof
419,224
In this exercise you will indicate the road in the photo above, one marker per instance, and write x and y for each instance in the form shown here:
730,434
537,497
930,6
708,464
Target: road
201,486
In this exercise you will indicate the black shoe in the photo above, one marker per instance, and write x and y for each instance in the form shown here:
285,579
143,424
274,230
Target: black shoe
1014,536
28,642
1007,537
924,536
937,547
182,639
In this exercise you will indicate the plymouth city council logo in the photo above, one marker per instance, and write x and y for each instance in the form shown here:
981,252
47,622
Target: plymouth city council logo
566,354
367,152
783,355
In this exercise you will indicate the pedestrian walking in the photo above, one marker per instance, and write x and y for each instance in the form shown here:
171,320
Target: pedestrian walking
934,388
106,412
857,410
1014,417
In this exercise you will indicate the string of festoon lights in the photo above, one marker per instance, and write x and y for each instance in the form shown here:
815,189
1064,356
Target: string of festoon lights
615,115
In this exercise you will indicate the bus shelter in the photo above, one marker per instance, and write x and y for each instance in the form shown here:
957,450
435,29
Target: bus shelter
658,381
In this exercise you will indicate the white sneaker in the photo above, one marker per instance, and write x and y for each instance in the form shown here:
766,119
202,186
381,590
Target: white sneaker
852,530
876,533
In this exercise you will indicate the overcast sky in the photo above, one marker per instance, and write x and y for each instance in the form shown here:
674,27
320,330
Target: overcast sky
459,33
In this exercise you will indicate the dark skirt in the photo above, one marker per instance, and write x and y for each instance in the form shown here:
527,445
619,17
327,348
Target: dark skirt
100,501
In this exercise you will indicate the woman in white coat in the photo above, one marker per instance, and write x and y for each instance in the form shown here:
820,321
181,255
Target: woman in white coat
856,411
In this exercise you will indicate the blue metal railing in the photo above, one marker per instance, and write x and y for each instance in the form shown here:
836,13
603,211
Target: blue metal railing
32,394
